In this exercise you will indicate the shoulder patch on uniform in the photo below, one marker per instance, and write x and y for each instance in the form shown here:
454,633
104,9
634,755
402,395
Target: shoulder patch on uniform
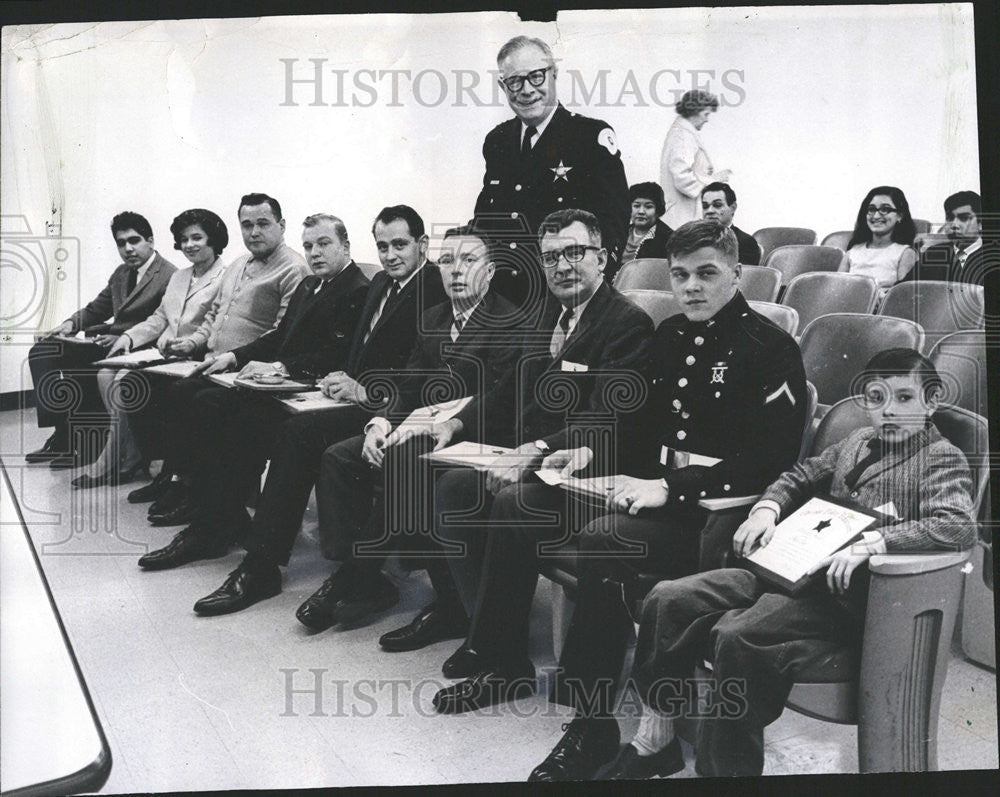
606,138
784,390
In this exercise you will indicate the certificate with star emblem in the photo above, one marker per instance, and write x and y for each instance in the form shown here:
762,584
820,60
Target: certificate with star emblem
816,530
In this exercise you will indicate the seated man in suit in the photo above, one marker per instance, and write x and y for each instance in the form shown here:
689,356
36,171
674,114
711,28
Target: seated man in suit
231,428
251,299
572,375
383,339
966,257
725,402
133,292
762,637
647,233
718,203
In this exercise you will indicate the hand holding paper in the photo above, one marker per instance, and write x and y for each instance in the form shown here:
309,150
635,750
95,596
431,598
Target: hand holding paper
568,460
373,449
758,528
631,495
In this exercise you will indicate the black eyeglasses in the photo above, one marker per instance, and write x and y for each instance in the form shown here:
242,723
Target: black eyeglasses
514,83
882,210
573,253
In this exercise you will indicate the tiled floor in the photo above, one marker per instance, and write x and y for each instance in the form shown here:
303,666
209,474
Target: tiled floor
211,703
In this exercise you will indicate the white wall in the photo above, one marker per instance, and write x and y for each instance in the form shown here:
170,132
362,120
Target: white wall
161,116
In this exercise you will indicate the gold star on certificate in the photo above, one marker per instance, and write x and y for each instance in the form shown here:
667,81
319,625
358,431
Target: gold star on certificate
560,171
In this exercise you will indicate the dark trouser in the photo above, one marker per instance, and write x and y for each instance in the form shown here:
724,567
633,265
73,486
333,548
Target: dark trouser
356,521
298,446
65,384
170,423
152,421
758,641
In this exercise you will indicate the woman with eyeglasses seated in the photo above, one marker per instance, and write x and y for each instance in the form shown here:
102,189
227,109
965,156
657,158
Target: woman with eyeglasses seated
685,168
882,244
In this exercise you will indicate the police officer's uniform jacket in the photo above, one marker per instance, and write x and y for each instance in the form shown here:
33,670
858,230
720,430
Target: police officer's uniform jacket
732,388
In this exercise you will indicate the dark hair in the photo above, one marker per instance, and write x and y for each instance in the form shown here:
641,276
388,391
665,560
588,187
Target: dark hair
724,188
561,219
129,220
905,230
695,101
900,362
214,227
970,198
694,235
250,200
651,191
520,42
396,212
471,230
338,225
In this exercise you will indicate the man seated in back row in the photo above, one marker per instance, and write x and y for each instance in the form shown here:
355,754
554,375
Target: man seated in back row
718,203
759,636
966,257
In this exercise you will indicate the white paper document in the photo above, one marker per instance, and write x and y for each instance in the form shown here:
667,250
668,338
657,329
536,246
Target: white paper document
594,487
436,413
809,535
471,455
311,401
180,368
134,359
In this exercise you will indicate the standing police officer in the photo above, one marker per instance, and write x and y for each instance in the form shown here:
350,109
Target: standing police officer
543,160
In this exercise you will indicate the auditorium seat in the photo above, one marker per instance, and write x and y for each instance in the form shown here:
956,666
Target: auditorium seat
784,317
798,259
836,347
369,269
822,292
647,273
760,283
657,304
770,238
960,358
922,225
840,239
939,307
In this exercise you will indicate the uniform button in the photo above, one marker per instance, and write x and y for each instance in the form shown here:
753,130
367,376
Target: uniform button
685,415
717,394
559,199
854,494
681,434
517,187
513,245
702,494
680,498
727,487
677,404
682,382
690,359
513,215
699,340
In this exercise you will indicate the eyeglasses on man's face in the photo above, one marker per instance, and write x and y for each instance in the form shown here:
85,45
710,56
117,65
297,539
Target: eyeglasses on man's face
573,253
881,210
514,83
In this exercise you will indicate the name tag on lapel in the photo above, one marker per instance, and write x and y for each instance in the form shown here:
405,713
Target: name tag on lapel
569,366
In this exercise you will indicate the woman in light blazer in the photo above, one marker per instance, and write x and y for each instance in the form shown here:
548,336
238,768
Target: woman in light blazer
685,167
201,236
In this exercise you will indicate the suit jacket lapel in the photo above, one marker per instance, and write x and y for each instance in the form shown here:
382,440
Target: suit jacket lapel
210,278
151,272
593,310
402,296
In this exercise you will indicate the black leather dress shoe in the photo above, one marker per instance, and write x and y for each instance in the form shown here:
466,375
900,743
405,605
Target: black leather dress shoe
316,612
173,494
431,625
187,545
586,746
368,596
631,766
245,586
463,663
184,512
151,491
53,448
487,688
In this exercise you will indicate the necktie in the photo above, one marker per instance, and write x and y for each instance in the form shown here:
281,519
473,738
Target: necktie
960,257
875,452
529,133
456,327
393,293
561,332
133,278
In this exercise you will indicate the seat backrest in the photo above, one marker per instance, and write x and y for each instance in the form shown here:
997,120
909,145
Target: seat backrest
822,292
657,304
966,430
647,273
840,239
798,259
837,346
922,225
769,238
939,307
784,317
760,283
960,359
369,269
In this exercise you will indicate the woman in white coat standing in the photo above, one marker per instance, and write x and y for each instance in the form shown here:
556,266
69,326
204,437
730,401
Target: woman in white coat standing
685,167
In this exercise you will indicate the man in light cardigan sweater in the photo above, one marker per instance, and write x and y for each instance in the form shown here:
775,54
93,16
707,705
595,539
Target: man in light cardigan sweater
900,466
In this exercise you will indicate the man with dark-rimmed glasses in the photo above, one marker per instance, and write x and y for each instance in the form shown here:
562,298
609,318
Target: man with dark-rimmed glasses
545,159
